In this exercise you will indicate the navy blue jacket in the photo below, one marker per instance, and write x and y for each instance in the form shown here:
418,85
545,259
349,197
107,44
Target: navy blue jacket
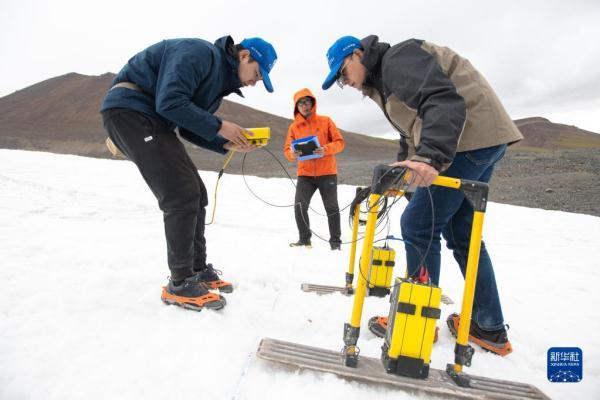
183,83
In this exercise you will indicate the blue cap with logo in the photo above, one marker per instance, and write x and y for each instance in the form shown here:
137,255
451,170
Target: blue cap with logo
264,54
336,54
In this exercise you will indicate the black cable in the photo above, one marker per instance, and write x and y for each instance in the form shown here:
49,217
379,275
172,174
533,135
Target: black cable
296,204
423,255
291,180
408,274
369,207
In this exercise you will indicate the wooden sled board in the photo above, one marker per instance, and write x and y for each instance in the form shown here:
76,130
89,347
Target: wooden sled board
370,370
324,289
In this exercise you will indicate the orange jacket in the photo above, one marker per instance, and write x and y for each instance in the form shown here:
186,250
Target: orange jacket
323,127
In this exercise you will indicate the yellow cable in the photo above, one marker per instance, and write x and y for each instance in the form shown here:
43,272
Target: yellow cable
231,153
212,218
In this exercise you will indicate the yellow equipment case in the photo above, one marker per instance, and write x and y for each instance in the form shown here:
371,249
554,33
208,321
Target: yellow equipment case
414,311
381,270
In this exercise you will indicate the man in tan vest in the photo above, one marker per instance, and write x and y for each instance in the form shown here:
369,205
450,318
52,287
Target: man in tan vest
450,122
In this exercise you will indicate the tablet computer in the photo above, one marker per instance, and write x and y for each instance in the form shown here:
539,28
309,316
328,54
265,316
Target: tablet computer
306,146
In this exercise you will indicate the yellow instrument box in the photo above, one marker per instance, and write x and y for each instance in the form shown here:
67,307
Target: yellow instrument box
414,311
261,136
380,271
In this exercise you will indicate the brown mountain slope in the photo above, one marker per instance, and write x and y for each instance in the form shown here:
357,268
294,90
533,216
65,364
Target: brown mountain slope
61,115
555,167
541,133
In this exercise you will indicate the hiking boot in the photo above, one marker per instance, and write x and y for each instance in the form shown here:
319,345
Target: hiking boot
210,277
191,294
378,325
302,243
492,341
336,246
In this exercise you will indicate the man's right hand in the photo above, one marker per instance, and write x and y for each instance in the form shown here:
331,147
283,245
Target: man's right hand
240,149
234,133
422,174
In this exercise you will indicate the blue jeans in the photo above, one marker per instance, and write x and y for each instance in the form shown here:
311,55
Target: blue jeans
452,219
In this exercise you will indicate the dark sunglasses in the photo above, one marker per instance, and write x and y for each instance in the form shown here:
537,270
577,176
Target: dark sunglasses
303,102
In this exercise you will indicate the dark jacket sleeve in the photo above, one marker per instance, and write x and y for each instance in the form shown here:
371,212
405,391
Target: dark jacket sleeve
215,145
184,66
416,78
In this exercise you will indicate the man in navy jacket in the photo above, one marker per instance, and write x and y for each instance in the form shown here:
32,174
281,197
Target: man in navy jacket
172,89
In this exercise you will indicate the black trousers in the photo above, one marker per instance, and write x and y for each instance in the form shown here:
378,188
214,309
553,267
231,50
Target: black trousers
305,188
173,178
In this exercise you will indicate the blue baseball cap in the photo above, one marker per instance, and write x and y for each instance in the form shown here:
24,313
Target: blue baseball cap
336,54
264,54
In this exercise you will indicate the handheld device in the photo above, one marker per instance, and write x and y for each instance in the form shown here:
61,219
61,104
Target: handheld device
261,136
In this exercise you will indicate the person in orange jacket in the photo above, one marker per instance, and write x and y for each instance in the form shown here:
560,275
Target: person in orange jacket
317,173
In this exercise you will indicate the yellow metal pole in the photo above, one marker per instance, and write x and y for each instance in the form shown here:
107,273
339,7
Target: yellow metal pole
361,286
470,280
355,222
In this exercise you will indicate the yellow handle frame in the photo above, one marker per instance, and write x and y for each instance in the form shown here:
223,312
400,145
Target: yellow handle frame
355,222
462,338
365,260
476,192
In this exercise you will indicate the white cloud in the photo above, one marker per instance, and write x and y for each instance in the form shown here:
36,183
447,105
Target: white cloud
540,56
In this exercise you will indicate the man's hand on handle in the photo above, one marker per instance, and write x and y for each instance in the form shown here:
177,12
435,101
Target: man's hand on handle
422,174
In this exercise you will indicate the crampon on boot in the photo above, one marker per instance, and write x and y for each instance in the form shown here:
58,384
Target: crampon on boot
210,277
191,294
378,325
492,341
